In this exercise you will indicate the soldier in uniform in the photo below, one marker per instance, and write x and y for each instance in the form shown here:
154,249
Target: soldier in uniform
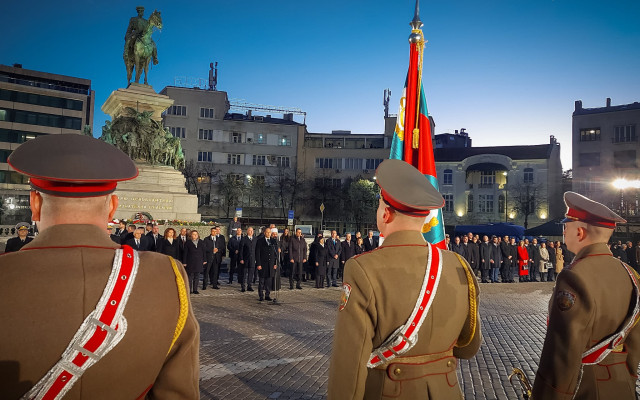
85,327
401,282
591,350
16,243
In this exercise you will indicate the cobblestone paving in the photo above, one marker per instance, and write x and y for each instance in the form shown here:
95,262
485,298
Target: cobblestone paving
254,350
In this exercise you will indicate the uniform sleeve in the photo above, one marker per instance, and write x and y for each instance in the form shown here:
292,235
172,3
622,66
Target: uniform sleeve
352,340
571,314
180,374
469,347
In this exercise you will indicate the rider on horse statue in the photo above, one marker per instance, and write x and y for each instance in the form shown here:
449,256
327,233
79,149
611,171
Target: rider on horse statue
139,32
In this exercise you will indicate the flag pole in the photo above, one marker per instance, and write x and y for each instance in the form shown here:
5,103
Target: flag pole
418,38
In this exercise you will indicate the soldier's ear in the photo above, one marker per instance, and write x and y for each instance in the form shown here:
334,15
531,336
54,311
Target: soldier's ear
35,203
113,206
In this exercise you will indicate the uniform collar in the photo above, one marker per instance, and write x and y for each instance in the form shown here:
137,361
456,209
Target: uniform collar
69,235
595,248
403,238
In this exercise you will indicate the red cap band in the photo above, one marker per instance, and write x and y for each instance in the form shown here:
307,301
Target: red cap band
69,189
401,207
584,216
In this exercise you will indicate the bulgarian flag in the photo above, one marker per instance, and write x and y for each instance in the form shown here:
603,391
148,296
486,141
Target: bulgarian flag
412,137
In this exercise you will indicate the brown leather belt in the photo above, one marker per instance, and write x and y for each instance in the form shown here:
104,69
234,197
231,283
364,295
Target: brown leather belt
403,368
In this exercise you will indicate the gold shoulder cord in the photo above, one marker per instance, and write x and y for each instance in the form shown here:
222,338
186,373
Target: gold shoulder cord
473,305
184,303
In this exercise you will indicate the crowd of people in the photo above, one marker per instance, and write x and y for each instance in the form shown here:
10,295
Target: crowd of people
262,258
503,259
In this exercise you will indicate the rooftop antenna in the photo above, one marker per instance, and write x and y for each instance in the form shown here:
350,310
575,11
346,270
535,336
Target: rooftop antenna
385,102
213,76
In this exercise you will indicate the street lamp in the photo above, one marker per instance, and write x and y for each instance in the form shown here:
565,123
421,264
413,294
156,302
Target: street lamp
622,184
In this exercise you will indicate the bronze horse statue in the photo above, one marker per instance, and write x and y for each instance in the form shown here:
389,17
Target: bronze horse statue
142,50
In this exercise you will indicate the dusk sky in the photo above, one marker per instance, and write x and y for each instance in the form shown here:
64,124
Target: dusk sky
508,71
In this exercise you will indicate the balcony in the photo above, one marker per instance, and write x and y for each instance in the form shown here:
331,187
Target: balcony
486,185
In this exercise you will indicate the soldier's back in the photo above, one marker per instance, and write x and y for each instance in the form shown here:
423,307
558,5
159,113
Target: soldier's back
387,282
59,282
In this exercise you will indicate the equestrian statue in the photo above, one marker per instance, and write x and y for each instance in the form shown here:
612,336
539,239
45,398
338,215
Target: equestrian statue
139,48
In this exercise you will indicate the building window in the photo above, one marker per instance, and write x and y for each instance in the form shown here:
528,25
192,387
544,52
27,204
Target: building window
205,134
528,175
625,133
372,163
234,159
447,177
284,141
324,163
42,119
260,138
237,178
353,163
624,159
448,203
205,156
485,203
328,183
40,100
206,112
282,161
470,203
487,179
501,204
177,131
590,135
258,160
177,110
589,159
236,137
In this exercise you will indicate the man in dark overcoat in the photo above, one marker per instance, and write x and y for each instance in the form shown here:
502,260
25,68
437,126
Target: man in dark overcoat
266,264
485,258
194,259
247,263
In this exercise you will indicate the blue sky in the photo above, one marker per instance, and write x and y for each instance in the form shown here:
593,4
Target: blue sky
508,71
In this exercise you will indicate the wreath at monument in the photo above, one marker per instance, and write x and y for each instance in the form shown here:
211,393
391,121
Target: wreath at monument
144,139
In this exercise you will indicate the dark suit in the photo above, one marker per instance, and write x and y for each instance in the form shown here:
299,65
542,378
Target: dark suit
153,241
297,252
248,264
459,248
348,251
320,259
125,236
334,248
534,254
115,238
234,254
496,256
170,249
267,261
474,256
506,273
370,244
194,259
210,273
140,247
15,244
485,259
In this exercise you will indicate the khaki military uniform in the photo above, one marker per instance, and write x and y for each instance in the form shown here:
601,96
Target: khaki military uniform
590,301
385,285
50,286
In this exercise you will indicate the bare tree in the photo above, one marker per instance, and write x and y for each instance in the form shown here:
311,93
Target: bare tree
229,189
523,199
362,198
191,172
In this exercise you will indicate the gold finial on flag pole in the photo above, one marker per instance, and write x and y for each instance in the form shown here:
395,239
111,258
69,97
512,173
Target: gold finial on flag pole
417,38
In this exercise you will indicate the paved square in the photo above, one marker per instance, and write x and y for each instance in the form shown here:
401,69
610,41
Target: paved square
261,350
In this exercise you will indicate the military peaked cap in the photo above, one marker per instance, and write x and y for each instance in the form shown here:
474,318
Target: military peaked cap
406,189
72,165
580,208
23,225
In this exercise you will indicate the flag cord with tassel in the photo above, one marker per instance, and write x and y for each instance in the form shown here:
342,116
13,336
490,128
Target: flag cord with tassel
416,130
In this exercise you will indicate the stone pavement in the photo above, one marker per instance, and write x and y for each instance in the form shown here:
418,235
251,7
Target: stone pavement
253,350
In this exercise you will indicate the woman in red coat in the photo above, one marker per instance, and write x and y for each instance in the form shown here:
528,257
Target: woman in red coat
523,262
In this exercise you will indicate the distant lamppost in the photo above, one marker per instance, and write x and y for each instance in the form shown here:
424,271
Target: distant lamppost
505,196
623,184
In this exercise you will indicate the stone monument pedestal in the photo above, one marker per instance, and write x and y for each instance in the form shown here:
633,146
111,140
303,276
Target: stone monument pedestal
139,97
159,191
